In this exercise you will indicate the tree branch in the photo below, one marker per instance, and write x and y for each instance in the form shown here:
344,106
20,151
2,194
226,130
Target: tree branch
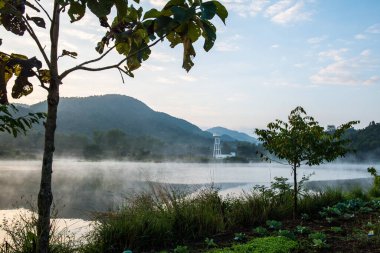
117,65
47,14
32,34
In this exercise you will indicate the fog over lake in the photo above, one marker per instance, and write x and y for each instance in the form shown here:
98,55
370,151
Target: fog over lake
81,187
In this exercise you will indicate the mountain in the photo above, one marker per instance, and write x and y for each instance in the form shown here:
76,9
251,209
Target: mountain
233,135
104,113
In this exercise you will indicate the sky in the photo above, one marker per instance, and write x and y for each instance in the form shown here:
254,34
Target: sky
271,56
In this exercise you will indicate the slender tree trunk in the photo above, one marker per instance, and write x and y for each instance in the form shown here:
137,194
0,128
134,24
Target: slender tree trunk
45,195
3,85
295,196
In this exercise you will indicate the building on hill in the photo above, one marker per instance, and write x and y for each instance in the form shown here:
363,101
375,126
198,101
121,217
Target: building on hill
217,153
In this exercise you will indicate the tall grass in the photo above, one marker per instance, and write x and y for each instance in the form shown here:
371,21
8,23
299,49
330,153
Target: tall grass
21,236
164,218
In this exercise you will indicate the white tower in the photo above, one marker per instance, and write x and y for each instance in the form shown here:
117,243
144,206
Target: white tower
217,152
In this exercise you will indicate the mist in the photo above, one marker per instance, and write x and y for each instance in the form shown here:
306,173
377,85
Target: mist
81,188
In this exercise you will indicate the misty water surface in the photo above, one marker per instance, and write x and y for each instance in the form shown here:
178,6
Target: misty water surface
81,187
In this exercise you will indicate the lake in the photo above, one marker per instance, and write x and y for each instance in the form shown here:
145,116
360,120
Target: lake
81,187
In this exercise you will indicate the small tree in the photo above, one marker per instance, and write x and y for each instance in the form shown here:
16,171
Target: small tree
302,141
128,31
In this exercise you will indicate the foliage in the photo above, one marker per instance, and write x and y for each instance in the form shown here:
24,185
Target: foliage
21,236
15,125
302,230
273,224
261,231
181,249
277,244
240,237
375,189
302,141
210,243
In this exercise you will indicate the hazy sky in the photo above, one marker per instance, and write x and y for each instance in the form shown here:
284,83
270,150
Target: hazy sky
272,56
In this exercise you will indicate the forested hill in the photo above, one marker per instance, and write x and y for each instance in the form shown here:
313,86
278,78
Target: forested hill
366,142
104,113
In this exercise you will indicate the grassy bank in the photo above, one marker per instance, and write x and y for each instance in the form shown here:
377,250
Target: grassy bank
164,220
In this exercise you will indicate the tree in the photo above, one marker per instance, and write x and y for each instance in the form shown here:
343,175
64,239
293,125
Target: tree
301,141
128,31
15,125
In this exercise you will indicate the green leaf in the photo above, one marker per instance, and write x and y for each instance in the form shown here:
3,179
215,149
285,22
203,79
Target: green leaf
76,11
121,7
208,10
123,48
172,3
193,32
174,39
182,14
209,35
188,54
221,11
100,8
153,13
2,4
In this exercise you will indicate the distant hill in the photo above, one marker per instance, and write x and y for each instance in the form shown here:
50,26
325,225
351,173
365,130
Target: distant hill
103,113
233,135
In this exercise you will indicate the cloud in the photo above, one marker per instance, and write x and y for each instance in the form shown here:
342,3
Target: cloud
352,71
188,78
158,3
275,46
162,57
316,40
360,36
334,54
291,15
373,29
229,44
278,11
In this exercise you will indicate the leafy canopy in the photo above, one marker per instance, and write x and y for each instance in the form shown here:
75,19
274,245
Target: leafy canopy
130,31
302,139
16,125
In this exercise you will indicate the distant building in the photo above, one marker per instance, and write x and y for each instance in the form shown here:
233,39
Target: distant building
217,153
331,128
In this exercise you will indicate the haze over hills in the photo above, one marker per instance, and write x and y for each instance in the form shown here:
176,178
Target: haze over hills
104,113
119,126
234,135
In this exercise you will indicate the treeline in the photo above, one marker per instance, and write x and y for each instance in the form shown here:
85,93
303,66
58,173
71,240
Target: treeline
366,143
112,144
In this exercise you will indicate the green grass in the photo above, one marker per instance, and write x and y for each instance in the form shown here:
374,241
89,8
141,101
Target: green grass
277,244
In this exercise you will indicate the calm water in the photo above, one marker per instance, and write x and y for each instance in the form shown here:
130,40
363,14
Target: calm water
81,187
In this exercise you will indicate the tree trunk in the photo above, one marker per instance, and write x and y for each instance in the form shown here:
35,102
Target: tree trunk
3,85
295,196
45,195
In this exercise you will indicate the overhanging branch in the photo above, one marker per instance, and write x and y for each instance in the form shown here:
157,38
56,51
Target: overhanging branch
113,66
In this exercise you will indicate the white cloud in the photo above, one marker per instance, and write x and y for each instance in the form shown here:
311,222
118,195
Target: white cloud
292,14
347,71
229,44
162,57
275,46
316,40
278,7
334,54
158,3
360,36
278,11
374,29
188,78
